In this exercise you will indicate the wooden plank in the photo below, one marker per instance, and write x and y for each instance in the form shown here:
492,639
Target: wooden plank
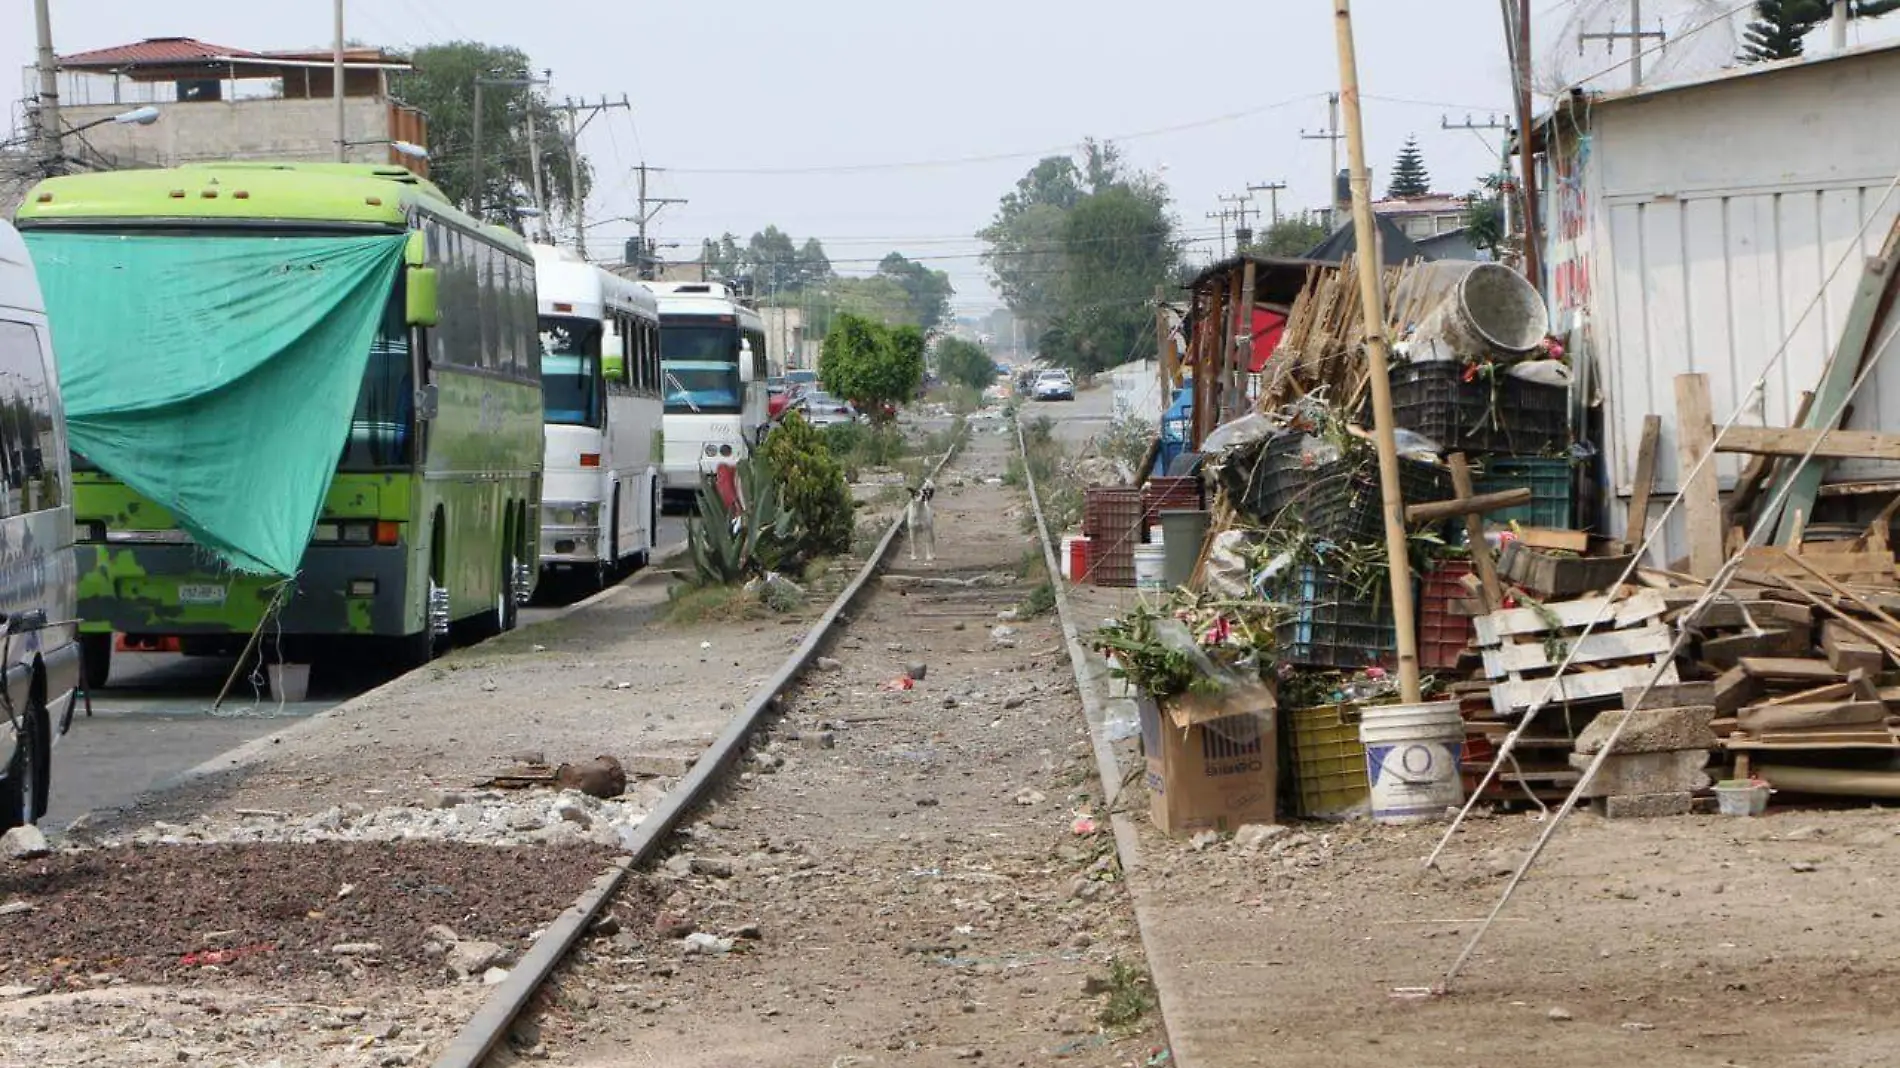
1864,316
1570,541
1735,688
1720,615
1833,691
1791,669
1645,483
1726,652
1596,647
1432,511
1755,473
1640,607
1508,697
1748,743
1833,444
1759,718
1701,496
1823,738
1848,651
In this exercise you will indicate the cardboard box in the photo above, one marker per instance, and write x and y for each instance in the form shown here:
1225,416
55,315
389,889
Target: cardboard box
1218,774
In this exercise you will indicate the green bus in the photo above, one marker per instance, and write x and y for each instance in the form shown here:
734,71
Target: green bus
432,521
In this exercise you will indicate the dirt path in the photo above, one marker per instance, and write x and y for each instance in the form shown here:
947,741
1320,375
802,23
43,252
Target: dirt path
897,871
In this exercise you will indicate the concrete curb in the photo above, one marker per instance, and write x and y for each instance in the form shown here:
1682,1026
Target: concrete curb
1108,769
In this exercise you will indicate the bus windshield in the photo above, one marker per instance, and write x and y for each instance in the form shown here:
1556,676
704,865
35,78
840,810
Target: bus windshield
570,371
683,339
702,387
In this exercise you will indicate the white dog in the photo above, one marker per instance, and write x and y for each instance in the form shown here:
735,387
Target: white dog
919,521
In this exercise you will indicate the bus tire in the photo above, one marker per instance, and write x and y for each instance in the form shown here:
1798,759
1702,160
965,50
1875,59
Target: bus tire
507,613
95,657
23,793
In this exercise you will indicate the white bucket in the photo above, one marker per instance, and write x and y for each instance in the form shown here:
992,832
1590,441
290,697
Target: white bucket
1062,558
1155,534
1412,760
289,683
1151,567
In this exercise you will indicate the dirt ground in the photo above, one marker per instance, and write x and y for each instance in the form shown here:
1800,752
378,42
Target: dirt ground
1693,941
898,872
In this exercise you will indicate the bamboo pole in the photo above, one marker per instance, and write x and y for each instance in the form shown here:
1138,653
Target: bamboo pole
1372,309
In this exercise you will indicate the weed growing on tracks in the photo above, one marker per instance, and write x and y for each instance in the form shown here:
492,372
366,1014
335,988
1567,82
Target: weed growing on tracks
1131,996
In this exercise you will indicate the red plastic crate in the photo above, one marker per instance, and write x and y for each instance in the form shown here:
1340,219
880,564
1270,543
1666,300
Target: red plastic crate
1443,631
1165,493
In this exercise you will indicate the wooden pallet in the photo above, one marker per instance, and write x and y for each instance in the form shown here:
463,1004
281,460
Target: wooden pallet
1522,648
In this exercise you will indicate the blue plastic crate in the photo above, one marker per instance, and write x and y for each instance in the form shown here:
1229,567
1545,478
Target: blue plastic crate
1332,625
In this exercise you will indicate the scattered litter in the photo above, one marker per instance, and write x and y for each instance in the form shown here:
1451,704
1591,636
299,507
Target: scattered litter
1031,797
902,682
1084,824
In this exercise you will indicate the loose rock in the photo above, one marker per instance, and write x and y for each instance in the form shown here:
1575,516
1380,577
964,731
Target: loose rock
24,843
601,777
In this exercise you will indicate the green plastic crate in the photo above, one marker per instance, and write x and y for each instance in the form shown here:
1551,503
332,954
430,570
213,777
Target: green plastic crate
1547,479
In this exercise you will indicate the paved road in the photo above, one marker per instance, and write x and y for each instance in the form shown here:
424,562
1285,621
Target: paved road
1080,419
154,722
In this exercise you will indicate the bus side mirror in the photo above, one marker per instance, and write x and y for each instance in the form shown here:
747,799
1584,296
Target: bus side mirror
420,304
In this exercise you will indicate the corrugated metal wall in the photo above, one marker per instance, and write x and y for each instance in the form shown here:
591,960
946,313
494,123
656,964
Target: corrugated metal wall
1711,217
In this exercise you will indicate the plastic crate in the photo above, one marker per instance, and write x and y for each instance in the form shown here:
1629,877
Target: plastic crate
1444,632
1329,761
1501,414
1547,479
1339,500
1331,625
1108,511
1168,492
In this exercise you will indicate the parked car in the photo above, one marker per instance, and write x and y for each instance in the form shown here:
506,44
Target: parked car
1053,385
779,394
821,409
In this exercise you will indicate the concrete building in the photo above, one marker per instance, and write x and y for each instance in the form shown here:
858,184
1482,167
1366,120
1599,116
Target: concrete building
784,338
217,102
1423,217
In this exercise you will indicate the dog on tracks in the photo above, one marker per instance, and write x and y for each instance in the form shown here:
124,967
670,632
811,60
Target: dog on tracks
919,521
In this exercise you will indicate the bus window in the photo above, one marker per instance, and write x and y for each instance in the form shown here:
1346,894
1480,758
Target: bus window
570,371
380,428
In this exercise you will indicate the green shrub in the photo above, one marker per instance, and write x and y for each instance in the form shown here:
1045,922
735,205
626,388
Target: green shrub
812,485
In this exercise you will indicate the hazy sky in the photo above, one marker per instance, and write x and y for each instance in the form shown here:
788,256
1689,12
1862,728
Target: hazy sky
835,118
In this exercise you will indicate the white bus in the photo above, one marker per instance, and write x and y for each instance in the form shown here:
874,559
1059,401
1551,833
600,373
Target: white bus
713,350
600,388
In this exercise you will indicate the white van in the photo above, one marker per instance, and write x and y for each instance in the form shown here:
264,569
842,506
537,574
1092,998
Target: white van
39,639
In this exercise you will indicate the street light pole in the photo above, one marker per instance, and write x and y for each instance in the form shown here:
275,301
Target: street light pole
336,75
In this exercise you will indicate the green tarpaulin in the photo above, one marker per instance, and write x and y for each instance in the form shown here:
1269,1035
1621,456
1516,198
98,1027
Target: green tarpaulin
216,375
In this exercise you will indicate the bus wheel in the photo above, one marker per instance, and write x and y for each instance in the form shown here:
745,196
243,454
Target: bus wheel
507,612
23,794
95,657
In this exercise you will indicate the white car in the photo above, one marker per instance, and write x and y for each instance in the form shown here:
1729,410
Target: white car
821,409
1053,385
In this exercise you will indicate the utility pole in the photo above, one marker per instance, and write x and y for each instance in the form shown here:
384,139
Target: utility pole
1490,123
644,267
1223,215
1837,25
1636,35
1332,137
1243,234
46,114
1272,189
1519,35
479,194
336,75
534,167
575,124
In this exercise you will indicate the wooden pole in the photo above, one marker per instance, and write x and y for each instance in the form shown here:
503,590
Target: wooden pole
1372,307
1243,331
1481,561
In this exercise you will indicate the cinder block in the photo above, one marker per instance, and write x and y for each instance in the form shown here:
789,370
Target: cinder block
1644,806
1651,730
1646,773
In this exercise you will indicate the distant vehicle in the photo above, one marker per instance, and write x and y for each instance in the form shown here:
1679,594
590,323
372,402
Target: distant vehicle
600,384
432,518
712,351
779,395
1053,385
821,409
803,378
42,661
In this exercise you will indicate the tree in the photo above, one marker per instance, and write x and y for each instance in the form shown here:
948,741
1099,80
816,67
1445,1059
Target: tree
1409,176
873,366
965,363
442,85
928,291
811,484
1779,25
1294,235
814,267
1484,214
1023,255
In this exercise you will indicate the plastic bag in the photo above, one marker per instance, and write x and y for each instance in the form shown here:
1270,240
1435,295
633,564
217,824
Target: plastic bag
1245,430
1226,573
1173,635
1416,446
1542,372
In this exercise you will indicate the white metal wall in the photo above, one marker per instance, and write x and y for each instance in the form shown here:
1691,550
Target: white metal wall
1715,213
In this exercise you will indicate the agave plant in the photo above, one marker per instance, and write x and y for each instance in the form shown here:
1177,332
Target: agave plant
730,546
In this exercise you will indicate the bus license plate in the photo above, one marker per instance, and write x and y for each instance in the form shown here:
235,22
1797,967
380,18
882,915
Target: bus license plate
205,594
